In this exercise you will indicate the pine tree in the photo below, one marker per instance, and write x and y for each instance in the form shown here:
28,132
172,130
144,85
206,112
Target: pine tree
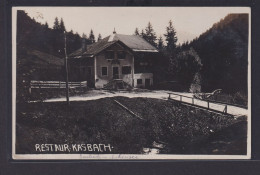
99,37
62,26
83,35
56,24
150,35
160,43
92,36
46,25
136,31
143,34
171,38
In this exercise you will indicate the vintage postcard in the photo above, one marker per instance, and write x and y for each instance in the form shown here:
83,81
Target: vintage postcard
131,83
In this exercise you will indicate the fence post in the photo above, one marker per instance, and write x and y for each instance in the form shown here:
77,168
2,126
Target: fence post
59,84
169,96
208,104
225,110
30,88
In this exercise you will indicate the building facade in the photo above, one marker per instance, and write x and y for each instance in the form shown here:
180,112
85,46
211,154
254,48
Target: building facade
116,58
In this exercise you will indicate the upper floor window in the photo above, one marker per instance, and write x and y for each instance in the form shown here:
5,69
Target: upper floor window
126,70
109,55
121,55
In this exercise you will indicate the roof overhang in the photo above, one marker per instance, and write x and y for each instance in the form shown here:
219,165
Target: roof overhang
81,56
137,50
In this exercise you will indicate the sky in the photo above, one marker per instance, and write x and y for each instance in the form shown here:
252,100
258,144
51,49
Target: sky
189,22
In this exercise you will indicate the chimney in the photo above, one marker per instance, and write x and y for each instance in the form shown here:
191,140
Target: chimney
114,32
84,48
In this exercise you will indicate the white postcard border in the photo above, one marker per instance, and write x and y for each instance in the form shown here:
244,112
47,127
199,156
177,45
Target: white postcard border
121,156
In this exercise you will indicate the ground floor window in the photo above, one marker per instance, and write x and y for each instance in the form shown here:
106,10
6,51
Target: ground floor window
139,81
126,70
104,71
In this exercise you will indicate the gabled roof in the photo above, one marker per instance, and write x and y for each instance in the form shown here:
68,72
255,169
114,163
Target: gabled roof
42,59
133,42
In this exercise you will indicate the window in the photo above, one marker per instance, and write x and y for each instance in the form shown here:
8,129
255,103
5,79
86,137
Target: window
109,55
139,81
104,71
121,55
126,70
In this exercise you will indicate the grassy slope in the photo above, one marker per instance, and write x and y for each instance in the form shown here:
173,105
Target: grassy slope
185,130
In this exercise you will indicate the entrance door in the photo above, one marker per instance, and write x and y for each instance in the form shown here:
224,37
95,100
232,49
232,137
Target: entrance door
147,83
90,77
115,73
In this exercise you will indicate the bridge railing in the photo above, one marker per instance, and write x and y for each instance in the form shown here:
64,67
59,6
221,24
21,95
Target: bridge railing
180,98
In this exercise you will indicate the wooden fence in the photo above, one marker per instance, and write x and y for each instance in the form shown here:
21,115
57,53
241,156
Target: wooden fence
180,99
55,84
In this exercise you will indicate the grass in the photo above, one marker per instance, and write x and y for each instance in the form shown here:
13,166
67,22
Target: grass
182,129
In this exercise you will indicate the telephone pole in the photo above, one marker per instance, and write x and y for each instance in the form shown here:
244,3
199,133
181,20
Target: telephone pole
66,69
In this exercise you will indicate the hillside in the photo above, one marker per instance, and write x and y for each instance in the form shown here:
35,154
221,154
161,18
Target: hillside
32,34
40,52
223,50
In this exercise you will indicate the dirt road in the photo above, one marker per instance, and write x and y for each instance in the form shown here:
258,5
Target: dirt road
159,94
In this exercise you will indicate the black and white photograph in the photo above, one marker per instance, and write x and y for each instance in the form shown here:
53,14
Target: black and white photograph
131,83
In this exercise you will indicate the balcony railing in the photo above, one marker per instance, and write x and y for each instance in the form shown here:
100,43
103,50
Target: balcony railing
116,76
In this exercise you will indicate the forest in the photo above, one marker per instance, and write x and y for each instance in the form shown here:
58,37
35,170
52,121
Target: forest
217,59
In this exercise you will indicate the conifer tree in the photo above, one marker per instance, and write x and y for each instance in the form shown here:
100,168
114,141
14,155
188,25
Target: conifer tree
143,34
171,38
46,25
92,36
160,43
83,35
56,24
62,26
99,37
136,31
150,35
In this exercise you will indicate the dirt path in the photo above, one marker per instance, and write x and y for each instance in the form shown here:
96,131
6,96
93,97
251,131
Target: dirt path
98,94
